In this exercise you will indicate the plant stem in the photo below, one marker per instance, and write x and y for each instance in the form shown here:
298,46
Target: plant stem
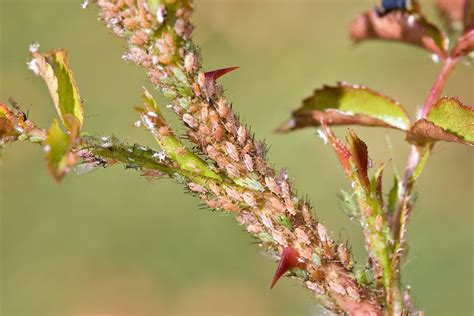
437,88
415,160
415,155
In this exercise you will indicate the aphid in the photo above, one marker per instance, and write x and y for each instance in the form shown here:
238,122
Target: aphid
249,199
232,170
272,185
232,151
248,162
387,6
189,120
241,135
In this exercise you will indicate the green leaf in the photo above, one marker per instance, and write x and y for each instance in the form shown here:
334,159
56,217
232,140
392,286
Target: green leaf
57,147
348,104
449,120
454,117
54,69
154,121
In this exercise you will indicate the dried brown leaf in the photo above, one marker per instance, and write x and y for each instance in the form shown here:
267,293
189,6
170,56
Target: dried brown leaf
400,27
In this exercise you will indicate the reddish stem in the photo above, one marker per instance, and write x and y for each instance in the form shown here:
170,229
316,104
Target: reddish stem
438,85
414,157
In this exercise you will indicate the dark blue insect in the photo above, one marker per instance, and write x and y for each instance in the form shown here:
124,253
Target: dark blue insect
387,6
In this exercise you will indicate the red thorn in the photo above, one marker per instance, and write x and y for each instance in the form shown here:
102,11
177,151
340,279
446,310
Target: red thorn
288,261
216,74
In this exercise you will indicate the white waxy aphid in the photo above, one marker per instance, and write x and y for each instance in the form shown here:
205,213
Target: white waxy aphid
160,155
160,14
34,47
34,66
46,148
152,114
84,4
435,58
137,123
106,145
322,135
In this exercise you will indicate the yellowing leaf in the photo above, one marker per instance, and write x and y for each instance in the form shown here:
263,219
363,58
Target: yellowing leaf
58,148
54,69
348,104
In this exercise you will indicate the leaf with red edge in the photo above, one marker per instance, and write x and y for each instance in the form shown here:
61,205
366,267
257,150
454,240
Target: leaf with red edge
359,157
288,261
464,45
400,27
216,74
348,104
449,120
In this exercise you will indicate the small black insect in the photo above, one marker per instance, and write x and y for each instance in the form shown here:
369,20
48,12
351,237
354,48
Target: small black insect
387,6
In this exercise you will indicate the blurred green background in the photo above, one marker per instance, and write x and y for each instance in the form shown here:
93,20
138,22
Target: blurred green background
112,243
